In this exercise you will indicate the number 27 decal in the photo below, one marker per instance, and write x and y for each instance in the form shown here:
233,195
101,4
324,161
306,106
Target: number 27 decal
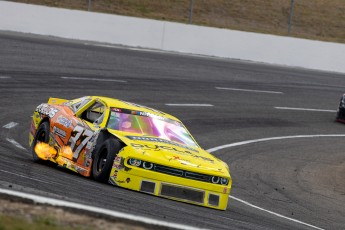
78,140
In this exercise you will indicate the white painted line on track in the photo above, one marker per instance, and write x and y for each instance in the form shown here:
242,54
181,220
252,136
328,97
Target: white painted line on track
201,105
305,109
61,203
26,177
271,139
249,90
10,125
93,79
12,141
4,77
273,213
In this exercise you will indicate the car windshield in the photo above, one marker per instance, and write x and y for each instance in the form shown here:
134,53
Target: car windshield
147,124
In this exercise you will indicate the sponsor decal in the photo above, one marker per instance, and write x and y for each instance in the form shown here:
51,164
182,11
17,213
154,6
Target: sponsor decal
64,121
153,139
117,159
117,166
47,110
79,169
32,128
118,163
145,114
182,161
159,147
142,106
59,132
114,175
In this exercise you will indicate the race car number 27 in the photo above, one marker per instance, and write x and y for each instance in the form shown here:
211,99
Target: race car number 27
79,138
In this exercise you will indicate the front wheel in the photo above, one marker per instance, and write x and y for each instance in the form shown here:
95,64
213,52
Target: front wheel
42,135
103,159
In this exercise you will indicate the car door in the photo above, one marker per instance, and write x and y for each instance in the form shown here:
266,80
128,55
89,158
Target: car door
92,116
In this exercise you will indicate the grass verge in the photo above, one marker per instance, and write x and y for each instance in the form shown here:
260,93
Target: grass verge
316,19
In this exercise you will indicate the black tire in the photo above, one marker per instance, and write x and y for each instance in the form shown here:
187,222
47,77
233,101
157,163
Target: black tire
42,135
104,158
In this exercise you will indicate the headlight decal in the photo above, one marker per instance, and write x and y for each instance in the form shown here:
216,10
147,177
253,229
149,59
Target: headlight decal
134,162
215,179
147,165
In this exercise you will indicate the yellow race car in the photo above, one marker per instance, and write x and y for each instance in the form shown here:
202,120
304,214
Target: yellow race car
130,146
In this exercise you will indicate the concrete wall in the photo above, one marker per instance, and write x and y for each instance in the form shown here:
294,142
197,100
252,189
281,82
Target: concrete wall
170,36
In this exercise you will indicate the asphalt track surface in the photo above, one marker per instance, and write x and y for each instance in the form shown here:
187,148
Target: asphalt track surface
299,178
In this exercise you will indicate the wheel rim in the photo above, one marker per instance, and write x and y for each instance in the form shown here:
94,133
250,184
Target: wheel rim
41,137
102,160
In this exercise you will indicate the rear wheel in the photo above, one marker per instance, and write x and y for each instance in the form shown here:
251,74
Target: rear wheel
42,135
104,158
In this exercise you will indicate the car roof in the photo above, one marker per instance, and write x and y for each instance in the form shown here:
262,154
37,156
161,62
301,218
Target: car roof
117,103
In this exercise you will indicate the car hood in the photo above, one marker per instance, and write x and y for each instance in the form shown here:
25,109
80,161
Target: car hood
173,154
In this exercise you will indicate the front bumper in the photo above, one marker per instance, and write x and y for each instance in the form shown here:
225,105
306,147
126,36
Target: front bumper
182,189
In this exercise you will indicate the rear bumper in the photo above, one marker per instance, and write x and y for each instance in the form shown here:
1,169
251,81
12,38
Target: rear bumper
341,115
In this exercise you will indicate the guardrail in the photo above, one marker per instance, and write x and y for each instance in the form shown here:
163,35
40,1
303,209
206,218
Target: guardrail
168,36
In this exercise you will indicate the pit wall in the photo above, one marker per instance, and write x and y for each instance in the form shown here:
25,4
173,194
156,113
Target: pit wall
169,36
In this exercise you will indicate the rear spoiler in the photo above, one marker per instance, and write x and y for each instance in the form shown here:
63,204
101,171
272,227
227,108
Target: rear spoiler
56,101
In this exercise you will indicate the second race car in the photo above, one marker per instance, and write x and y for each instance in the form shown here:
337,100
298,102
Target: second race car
341,110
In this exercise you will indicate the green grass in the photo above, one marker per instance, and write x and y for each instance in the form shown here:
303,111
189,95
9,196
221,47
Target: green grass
313,19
